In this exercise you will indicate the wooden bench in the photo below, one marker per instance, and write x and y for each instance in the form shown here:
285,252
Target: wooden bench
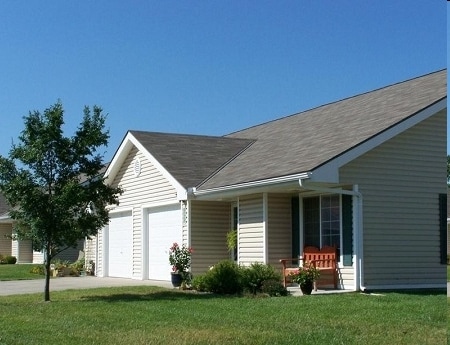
323,259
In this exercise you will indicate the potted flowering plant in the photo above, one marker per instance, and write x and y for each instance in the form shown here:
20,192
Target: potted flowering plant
180,259
305,277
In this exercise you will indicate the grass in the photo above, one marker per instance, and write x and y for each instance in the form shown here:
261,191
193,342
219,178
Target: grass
18,272
150,315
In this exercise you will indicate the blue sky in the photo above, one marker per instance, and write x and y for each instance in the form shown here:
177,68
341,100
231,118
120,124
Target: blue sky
206,67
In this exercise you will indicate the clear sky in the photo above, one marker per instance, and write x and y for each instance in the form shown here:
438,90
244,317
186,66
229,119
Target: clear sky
206,67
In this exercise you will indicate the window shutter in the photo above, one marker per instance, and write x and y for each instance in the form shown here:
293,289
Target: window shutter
347,230
443,227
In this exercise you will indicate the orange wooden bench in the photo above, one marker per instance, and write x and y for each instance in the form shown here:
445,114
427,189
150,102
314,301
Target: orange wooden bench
323,259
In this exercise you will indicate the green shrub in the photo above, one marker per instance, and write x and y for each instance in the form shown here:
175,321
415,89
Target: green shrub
78,265
224,278
38,269
199,283
274,288
10,260
2,259
256,274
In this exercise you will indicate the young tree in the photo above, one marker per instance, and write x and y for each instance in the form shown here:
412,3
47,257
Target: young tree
53,182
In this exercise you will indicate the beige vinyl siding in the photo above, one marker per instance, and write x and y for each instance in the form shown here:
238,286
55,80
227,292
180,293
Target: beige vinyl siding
185,212
37,257
400,181
137,243
346,278
5,241
150,187
100,255
24,253
279,229
251,230
90,246
210,222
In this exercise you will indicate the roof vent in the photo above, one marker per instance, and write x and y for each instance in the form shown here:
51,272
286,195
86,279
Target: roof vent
137,167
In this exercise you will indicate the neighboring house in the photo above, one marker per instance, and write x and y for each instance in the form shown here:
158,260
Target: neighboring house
365,174
448,226
23,249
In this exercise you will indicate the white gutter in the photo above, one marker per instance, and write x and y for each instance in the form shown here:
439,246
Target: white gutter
357,219
253,184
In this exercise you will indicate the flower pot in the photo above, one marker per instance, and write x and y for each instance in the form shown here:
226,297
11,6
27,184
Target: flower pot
306,288
176,279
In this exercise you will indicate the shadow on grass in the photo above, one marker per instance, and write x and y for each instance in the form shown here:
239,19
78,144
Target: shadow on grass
412,292
152,296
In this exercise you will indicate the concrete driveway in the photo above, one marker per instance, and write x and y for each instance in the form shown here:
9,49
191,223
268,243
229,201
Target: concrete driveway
18,287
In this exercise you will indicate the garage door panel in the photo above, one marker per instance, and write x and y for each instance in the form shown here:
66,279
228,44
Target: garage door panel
120,240
165,228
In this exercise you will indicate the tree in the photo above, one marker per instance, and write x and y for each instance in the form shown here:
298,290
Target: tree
53,182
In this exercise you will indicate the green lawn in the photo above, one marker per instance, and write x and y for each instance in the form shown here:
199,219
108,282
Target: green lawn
18,272
150,315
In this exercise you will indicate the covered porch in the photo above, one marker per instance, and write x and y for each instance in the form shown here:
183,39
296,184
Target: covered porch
278,223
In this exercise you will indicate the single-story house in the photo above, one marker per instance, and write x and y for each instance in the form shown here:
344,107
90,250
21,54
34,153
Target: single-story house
365,174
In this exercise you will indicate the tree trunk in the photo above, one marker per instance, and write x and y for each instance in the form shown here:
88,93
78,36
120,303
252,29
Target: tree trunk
47,259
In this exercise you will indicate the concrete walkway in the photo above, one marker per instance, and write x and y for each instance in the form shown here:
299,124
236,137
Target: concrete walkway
18,287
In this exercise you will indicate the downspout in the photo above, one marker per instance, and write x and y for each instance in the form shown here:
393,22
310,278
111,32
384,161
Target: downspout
359,267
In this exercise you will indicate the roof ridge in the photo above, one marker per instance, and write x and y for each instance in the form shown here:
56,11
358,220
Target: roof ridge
210,176
184,135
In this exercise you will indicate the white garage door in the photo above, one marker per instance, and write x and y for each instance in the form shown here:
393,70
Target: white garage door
164,224
120,238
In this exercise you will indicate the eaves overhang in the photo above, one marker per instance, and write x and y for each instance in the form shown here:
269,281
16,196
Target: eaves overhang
329,171
252,187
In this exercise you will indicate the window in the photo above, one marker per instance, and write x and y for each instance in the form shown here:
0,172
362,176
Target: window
322,221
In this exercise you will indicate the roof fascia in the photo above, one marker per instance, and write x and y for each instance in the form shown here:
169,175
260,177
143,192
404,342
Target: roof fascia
118,159
248,187
127,144
329,171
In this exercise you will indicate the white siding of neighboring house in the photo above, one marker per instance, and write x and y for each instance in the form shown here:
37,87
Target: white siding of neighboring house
400,181
5,241
210,222
251,230
279,229
37,257
150,187
90,247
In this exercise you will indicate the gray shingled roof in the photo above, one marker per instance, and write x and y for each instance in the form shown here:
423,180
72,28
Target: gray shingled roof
4,206
191,158
304,141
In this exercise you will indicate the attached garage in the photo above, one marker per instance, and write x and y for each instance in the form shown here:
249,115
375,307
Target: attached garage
120,245
164,228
